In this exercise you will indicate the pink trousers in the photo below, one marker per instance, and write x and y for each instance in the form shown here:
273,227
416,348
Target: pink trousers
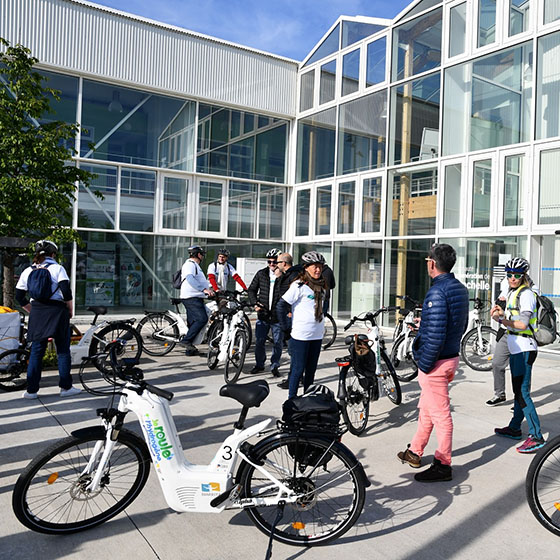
435,411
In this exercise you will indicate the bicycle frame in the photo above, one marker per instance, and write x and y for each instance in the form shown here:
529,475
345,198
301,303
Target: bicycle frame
185,486
407,322
81,350
231,324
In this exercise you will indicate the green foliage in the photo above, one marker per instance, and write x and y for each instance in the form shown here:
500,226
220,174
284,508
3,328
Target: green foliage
50,360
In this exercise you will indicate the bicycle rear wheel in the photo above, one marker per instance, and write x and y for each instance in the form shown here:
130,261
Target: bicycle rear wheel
542,486
402,358
51,495
478,353
330,332
355,406
13,369
248,329
159,333
324,475
389,379
131,348
236,356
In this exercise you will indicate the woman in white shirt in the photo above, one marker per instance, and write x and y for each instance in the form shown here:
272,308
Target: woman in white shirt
305,296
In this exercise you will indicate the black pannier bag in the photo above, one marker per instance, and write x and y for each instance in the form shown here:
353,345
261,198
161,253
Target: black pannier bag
315,410
363,358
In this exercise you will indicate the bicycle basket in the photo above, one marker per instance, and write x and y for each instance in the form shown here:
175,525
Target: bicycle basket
363,358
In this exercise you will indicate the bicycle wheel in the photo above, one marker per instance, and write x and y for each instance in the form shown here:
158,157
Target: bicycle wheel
542,486
389,379
131,349
355,407
214,336
402,358
13,369
236,356
159,334
322,472
330,332
248,329
476,353
51,494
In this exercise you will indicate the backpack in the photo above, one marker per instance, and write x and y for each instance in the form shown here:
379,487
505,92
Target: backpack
546,332
39,283
176,280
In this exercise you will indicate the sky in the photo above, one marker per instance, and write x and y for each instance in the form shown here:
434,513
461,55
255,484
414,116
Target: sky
288,28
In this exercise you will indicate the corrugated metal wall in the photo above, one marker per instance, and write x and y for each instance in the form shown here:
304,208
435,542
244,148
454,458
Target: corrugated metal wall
78,37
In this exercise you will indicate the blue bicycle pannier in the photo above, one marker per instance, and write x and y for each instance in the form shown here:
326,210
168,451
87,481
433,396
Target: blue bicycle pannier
39,283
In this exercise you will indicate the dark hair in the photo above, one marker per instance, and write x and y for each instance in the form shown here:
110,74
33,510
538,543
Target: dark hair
444,256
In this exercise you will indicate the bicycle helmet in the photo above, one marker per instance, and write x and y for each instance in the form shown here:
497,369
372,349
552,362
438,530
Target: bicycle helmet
224,252
517,264
312,257
273,253
195,250
46,247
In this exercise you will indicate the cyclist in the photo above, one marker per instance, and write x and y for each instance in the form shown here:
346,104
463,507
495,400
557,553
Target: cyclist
520,319
194,288
48,318
264,293
220,271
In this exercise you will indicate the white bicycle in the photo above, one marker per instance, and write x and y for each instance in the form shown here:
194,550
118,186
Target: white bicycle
405,332
479,341
298,487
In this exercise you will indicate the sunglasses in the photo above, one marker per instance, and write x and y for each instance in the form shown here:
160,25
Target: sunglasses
516,276
272,262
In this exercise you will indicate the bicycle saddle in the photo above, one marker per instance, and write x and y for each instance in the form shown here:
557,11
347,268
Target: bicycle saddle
98,309
249,394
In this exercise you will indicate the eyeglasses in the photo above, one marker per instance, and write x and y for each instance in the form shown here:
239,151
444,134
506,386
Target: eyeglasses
283,262
272,262
429,259
516,276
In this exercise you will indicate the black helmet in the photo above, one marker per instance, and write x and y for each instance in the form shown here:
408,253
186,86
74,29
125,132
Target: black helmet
273,253
224,252
517,264
46,247
195,250
312,257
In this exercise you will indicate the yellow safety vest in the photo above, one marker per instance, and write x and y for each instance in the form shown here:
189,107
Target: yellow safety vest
513,314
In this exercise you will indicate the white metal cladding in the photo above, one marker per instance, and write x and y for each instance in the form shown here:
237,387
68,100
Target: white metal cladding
102,43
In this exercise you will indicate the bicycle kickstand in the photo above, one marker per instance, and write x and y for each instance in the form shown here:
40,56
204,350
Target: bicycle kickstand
279,515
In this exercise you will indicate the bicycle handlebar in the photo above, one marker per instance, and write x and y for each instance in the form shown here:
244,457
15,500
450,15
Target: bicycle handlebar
370,316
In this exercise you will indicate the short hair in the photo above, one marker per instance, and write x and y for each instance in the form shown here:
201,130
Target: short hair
287,258
444,256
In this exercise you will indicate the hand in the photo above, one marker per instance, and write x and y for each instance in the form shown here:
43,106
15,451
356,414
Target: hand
209,292
258,307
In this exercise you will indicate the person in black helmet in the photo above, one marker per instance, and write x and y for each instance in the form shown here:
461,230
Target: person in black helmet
194,288
48,318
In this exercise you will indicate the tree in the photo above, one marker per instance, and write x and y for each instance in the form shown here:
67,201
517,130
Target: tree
37,176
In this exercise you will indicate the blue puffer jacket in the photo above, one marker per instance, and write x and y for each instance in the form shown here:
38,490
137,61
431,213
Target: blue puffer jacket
445,315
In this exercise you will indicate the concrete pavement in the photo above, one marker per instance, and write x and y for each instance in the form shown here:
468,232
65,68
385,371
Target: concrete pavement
482,513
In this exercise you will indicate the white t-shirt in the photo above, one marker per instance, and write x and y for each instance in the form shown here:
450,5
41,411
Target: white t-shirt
304,325
526,301
272,276
57,272
188,291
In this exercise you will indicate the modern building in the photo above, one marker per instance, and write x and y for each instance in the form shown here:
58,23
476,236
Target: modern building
442,124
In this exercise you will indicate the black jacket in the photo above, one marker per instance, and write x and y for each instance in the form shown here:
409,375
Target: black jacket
259,291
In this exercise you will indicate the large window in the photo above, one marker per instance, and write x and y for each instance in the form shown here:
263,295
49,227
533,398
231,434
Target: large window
209,206
549,193
137,200
242,209
272,206
417,45
481,193
174,203
351,72
361,133
548,86
375,62
488,102
95,211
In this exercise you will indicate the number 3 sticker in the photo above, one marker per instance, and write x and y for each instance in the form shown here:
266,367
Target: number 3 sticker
227,453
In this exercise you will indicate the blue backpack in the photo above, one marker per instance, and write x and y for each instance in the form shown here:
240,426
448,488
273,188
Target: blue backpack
39,283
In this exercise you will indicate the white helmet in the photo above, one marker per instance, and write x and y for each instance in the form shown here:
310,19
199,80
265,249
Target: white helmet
312,257
517,264
273,253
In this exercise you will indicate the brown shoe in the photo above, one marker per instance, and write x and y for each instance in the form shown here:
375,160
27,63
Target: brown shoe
409,457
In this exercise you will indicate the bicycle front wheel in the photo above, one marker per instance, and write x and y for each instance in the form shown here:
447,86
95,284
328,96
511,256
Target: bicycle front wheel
159,333
542,486
51,494
322,472
355,406
389,380
330,332
131,348
248,329
478,351
13,369
236,357
214,336
402,358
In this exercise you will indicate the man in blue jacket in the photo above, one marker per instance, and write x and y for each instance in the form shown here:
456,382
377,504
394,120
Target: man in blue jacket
445,314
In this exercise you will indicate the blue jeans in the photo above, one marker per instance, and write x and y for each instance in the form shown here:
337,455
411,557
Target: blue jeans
305,356
196,317
261,330
34,367
521,366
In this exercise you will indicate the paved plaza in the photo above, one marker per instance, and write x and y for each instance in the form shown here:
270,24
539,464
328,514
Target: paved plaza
482,514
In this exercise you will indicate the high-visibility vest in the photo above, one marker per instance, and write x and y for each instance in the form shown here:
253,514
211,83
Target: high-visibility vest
513,314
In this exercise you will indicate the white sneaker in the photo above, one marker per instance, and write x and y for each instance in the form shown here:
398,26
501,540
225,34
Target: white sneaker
27,395
70,392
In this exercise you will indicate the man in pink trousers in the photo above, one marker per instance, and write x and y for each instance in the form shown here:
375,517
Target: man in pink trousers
445,315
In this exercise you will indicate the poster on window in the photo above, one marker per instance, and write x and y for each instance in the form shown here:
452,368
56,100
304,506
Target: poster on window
130,280
100,274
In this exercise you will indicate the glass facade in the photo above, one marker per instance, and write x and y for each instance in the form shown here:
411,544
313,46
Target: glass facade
351,72
548,87
327,88
457,29
375,61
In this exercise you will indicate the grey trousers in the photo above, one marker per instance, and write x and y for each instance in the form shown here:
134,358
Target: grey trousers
500,361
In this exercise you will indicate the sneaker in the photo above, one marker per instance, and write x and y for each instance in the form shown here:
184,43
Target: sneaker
508,432
257,369
409,457
275,371
496,400
530,445
70,392
27,395
284,384
436,473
